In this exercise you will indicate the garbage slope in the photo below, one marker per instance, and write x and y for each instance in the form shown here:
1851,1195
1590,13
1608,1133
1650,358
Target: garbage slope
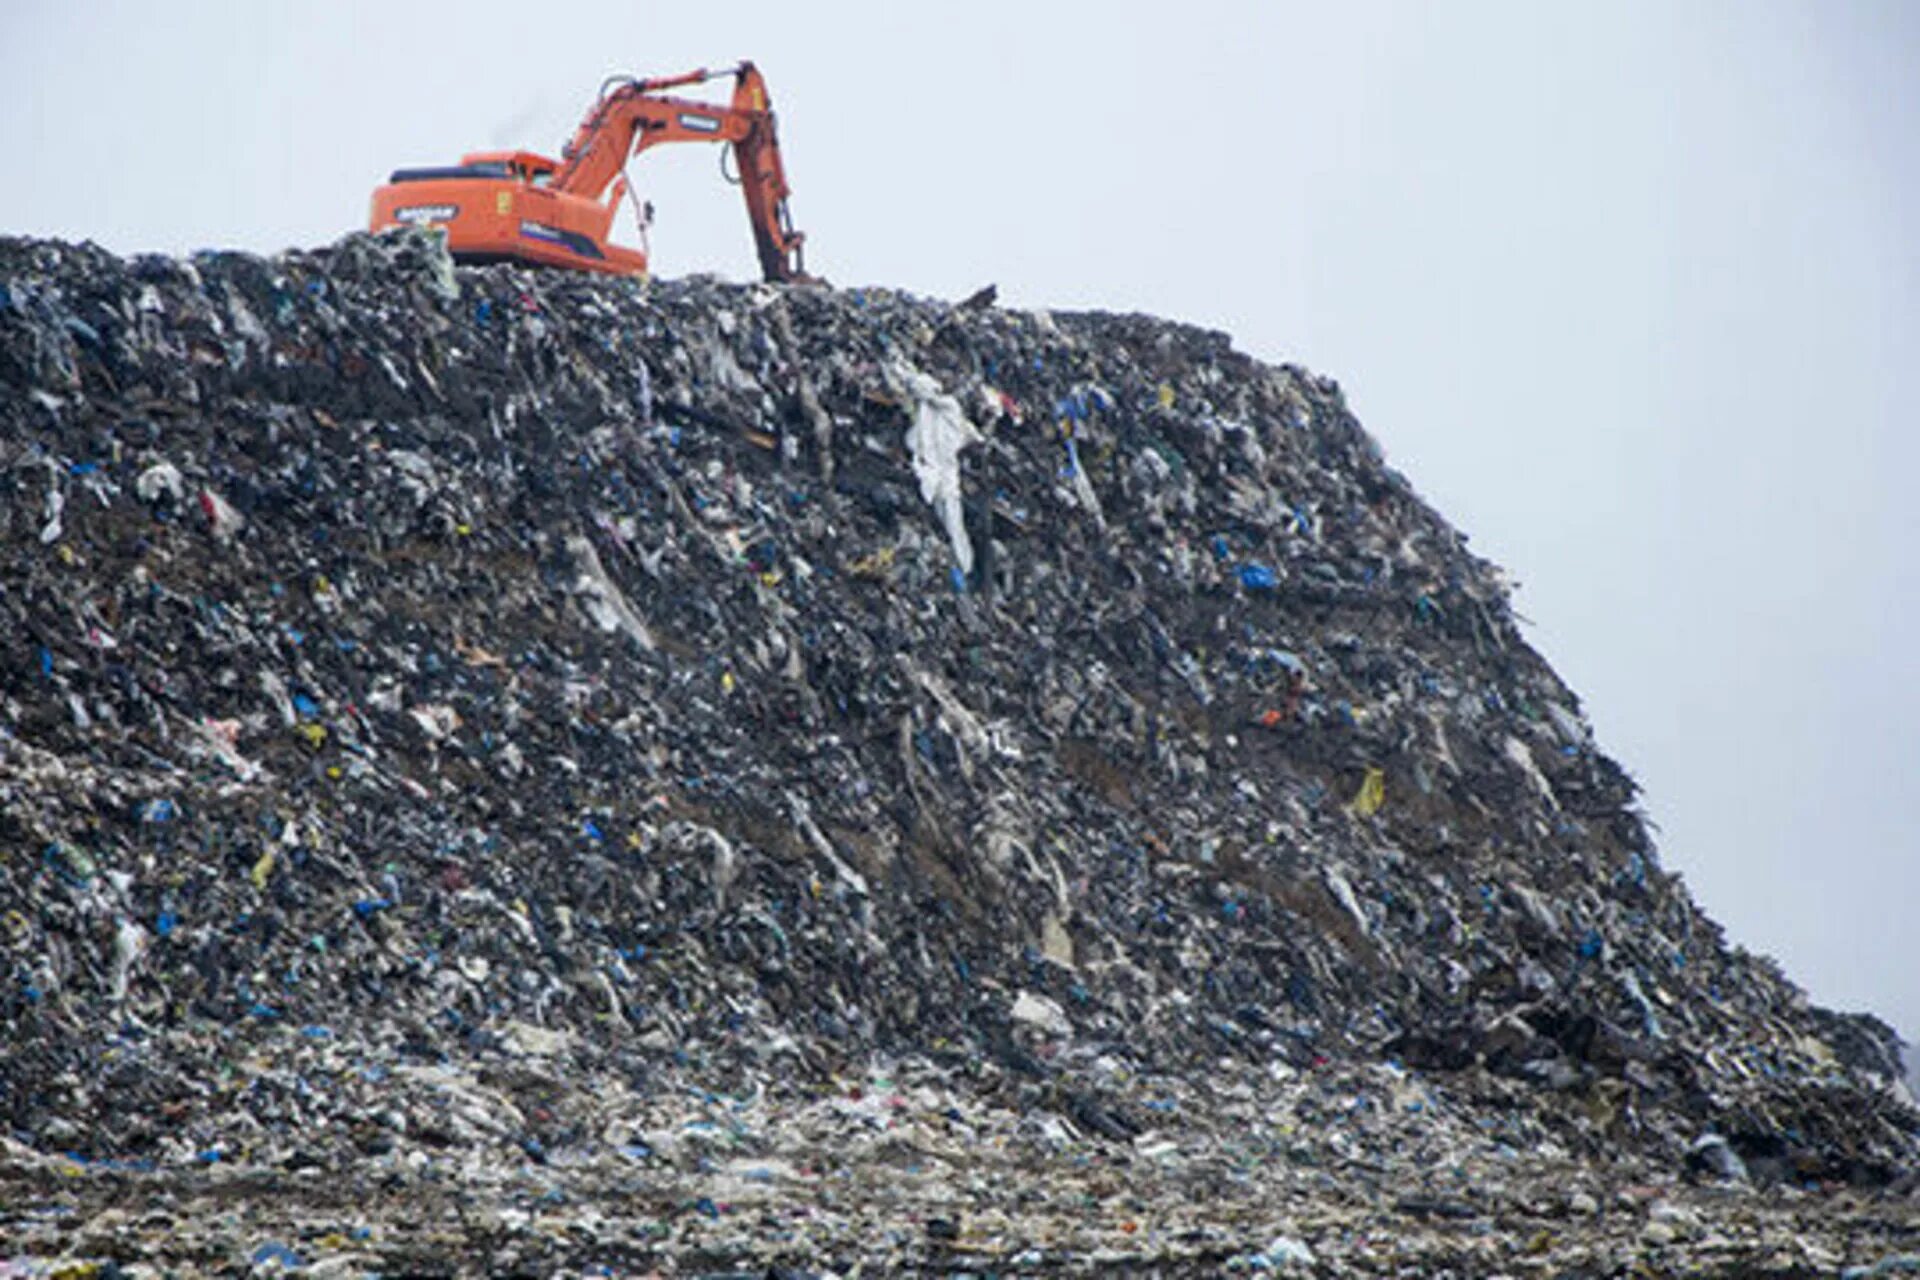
739,682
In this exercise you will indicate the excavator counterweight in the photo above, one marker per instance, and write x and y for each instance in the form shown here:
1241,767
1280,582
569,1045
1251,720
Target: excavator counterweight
517,206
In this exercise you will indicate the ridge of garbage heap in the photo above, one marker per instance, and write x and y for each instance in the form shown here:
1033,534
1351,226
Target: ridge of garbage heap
404,667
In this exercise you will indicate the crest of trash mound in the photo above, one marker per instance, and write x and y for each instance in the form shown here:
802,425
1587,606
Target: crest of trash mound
450,689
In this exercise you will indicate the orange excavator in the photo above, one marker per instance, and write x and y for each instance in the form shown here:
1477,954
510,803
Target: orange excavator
515,206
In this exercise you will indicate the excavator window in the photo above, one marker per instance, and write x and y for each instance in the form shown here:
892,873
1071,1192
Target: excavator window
449,171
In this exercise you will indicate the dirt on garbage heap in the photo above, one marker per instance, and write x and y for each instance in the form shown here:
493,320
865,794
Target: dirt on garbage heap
519,773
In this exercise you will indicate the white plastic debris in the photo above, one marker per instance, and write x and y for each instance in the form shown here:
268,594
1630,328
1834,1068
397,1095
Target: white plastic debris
1516,751
160,479
1288,1251
602,598
939,433
222,519
1042,1012
129,944
56,504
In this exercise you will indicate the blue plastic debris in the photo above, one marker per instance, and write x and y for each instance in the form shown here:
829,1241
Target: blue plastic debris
273,1253
1258,577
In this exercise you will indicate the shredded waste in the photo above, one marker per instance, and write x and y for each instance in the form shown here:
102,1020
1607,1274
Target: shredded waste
505,771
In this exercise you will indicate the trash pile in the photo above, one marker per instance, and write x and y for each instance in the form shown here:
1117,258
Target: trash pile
481,724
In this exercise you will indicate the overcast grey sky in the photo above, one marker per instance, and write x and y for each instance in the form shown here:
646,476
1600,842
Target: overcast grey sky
1630,291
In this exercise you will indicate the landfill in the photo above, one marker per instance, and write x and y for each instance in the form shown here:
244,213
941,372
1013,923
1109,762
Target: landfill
503,772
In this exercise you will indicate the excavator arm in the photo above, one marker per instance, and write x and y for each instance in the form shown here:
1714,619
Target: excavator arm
633,115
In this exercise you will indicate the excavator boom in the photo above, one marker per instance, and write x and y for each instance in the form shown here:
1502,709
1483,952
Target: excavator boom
521,207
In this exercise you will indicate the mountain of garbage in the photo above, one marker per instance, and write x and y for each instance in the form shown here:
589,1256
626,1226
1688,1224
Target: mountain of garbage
462,714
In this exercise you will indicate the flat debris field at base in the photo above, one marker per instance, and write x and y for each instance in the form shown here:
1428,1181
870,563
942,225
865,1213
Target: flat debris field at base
504,772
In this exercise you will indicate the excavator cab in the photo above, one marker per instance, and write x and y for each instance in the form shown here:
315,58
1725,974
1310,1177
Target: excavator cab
500,206
518,206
